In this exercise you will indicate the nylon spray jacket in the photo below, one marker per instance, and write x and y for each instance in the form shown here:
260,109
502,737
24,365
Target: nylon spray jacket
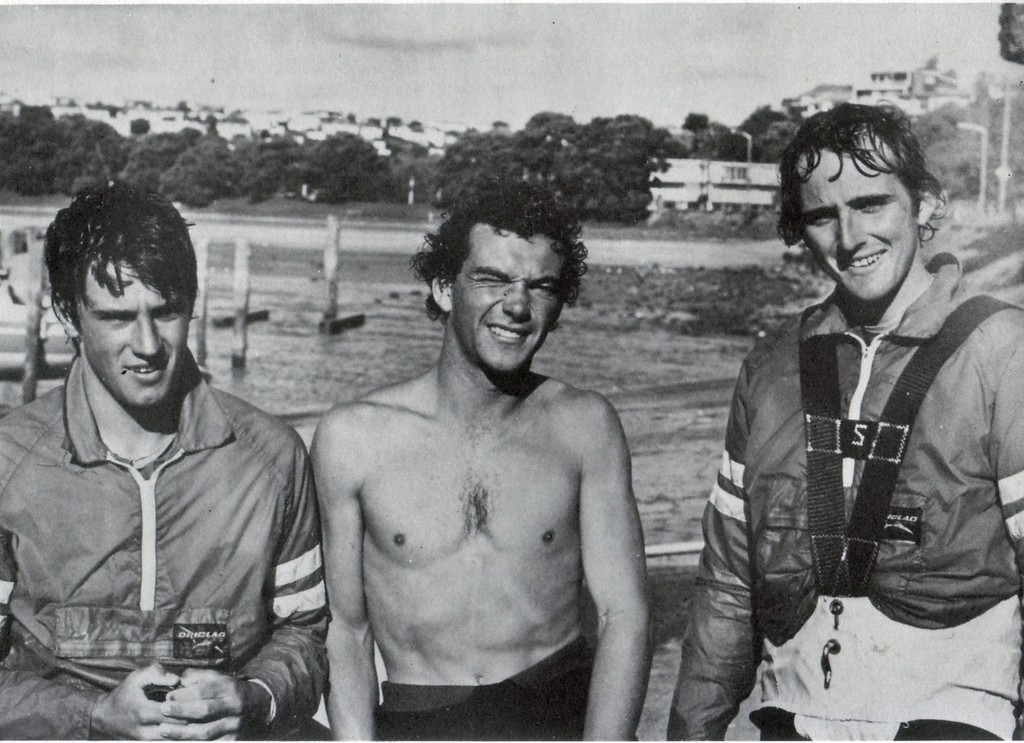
961,484
210,559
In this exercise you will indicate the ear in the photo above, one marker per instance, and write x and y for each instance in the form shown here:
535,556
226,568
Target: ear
69,327
556,316
442,293
926,208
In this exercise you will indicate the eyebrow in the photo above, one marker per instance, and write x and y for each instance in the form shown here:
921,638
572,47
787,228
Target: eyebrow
857,202
492,272
483,271
871,200
161,310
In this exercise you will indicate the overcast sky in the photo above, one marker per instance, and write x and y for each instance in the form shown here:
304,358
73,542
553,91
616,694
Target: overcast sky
477,63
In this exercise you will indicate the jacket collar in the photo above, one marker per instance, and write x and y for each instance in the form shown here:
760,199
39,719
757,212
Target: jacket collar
202,423
923,318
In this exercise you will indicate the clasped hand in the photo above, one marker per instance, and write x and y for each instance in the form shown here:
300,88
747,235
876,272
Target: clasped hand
206,705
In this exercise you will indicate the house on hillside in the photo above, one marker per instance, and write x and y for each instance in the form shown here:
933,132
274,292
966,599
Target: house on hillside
817,99
914,91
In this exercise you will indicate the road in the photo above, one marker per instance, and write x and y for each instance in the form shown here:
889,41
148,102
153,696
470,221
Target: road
405,238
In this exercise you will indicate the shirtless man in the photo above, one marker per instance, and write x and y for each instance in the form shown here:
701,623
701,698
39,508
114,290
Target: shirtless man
464,509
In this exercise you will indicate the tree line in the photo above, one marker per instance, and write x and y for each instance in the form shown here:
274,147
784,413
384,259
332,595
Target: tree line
603,167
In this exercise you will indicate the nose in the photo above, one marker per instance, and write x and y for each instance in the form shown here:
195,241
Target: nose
850,233
516,303
145,339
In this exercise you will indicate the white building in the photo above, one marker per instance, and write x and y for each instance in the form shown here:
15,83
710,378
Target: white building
710,183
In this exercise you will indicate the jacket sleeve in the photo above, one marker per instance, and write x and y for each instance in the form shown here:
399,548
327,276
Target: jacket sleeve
1006,440
719,652
32,706
293,662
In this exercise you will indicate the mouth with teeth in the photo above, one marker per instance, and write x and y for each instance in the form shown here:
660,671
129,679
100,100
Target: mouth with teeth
865,261
144,370
507,333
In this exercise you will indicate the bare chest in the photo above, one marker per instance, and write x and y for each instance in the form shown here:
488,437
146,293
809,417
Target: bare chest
443,493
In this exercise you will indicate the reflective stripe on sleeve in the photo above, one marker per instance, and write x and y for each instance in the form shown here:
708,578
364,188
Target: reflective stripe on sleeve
1015,525
303,565
727,504
1011,489
732,471
308,600
6,587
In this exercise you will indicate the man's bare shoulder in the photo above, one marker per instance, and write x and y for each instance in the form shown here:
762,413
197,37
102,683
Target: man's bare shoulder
366,422
389,405
585,415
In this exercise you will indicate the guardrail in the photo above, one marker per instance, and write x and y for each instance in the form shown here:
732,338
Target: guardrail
672,549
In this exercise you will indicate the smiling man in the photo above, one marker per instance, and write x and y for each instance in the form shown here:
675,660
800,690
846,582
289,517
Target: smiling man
864,536
160,566
465,508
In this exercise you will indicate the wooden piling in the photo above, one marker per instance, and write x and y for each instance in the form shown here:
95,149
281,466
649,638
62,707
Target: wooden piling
33,316
241,300
332,249
203,276
8,247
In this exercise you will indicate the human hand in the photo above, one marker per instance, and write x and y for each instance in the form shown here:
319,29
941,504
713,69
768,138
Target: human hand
125,712
211,705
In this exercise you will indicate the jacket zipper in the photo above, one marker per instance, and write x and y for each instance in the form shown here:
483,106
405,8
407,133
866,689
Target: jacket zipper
147,549
867,359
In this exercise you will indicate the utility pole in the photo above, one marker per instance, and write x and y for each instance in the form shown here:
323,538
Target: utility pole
750,157
1003,171
983,170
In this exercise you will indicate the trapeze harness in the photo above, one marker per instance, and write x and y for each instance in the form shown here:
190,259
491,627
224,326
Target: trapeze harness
845,553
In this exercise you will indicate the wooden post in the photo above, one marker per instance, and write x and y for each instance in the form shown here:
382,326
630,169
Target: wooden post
7,248
241,293
203,277
33,317
331,252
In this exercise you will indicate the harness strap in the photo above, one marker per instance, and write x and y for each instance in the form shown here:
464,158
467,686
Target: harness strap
845,554
826,509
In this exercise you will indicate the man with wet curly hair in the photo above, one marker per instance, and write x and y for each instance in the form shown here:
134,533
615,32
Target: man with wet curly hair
518,208
464,509
864,540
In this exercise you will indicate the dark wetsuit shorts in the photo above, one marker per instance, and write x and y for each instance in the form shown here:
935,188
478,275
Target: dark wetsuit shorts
547,701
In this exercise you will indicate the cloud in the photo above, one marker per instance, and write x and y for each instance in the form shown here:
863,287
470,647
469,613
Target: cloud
408,45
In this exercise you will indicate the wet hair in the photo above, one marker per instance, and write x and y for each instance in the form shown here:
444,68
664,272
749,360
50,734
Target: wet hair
517,207
877,139
109,229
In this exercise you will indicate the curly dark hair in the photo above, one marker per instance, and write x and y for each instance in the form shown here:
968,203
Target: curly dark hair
109,227
878,139
524,209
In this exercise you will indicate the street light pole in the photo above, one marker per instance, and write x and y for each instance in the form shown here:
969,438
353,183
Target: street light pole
982,177
750,143
1003,171
750,157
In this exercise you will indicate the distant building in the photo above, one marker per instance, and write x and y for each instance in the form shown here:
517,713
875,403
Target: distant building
817,99
689,183
300,126
913,91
